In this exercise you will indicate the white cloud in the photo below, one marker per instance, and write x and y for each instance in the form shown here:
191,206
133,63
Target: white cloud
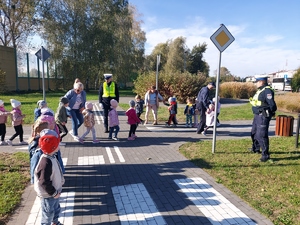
245,56
272,38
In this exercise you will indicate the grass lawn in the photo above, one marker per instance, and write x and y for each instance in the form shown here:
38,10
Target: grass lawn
272,187
14,177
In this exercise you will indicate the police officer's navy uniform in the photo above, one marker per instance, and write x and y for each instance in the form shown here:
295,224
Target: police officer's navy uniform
202,105
107,91
264,108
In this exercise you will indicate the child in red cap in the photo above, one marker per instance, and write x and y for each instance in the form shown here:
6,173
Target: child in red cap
48,177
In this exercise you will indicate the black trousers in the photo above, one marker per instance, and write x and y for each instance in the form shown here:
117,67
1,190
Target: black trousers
132,129
202,123
2,131
106,109
63,130
260,134
19,132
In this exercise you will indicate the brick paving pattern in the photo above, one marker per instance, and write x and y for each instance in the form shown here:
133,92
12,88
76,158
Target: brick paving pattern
145,181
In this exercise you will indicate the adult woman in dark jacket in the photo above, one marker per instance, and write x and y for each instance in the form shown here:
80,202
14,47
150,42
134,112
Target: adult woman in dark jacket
77,99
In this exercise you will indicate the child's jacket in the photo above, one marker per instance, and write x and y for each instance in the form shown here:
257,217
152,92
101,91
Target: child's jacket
88,117
3,115
113,118
48,177
132,117
17,117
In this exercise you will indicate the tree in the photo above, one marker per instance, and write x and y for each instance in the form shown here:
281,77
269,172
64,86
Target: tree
197,64
89,38
17,21
296,81
176,55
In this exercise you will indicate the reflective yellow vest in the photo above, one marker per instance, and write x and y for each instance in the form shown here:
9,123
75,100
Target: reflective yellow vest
108,91
254,101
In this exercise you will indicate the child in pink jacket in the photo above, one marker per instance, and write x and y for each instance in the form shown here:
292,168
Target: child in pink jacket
113,120
17,121
133,120
3,120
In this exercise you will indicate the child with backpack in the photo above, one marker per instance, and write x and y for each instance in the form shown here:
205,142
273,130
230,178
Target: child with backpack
133,120
172,103
189,112
89,123
3,120
113,120
17,120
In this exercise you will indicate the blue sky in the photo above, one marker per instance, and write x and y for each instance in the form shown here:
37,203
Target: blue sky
267,33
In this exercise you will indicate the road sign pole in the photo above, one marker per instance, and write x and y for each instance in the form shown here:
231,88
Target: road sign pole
43,74
216,106
222,38
157,65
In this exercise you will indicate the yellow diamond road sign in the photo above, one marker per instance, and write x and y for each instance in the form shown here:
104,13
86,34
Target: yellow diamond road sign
222,38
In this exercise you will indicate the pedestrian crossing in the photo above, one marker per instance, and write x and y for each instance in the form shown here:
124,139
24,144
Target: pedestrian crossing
135,205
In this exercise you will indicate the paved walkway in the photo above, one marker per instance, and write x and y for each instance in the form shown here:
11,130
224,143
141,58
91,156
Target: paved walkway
146,181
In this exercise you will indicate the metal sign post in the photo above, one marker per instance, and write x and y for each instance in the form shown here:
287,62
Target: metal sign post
222,38
43,55
157,64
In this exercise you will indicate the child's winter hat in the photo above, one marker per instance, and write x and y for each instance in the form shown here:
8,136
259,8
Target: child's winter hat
47,118
48,141
47,111
113,103
64,100
1,102
41,104
14,103
131,103
89,105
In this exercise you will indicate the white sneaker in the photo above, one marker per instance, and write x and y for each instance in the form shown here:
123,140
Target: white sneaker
9,142
190,125
115,138
76,138
203,133
186,125
71,133
3,143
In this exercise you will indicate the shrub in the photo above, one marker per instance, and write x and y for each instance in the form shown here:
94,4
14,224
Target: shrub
180,85
237,90
288,102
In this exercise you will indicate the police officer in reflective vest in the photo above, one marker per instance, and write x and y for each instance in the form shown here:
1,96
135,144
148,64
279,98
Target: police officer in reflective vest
107,91
264,108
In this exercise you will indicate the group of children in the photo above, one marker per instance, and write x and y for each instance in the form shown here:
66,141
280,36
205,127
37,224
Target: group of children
192,113
17,117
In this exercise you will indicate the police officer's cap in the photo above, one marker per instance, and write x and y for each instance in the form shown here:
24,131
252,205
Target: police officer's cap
212,84
107,76
261,77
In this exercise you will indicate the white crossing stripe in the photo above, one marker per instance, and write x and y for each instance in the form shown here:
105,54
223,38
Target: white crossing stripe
110,156
211,203
91,160
99,159
98,118
66,201
135,206
119,154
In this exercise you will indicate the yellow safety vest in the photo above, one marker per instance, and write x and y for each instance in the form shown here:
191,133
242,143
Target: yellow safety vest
254,101
108,91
